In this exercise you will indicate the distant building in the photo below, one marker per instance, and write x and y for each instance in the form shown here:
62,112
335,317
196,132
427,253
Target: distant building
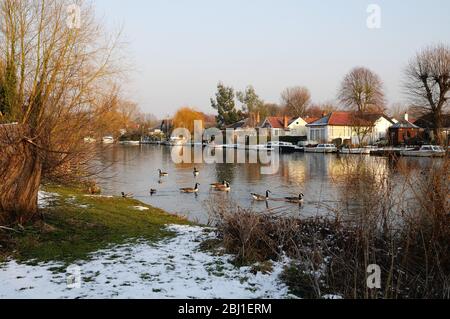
428,124
287,126
405,132
350,126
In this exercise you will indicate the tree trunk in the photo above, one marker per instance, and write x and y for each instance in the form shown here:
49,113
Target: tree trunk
437,128
20,173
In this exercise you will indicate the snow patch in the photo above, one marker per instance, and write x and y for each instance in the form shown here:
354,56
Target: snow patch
45,199
173,268
140,208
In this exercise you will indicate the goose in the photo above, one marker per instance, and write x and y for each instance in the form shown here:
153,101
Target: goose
126,195
162,174
261,198
226,187
295,200
196,172
190,190
216,185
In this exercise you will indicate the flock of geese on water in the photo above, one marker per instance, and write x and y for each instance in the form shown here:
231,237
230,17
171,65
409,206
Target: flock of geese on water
222,187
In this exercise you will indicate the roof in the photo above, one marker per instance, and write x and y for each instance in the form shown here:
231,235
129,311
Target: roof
349,119
310,120
245,123
278,122
428,122
403,124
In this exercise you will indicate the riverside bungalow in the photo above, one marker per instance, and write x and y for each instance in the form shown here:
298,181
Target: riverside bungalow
405,132
287,126
365,128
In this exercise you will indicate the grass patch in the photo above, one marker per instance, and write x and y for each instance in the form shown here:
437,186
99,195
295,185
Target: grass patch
76,225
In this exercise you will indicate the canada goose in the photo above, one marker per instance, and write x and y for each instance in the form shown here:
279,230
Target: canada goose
226,187
261,198
295,200
162,174
153,191
190,190
196,172
216,185
126,195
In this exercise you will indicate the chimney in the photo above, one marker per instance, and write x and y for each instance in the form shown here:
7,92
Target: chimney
406,117
286,121
258,118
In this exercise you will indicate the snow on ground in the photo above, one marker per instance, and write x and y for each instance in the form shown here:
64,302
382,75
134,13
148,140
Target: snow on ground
173,268
45,199
140,208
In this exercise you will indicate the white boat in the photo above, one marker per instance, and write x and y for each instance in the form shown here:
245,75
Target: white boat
89,140
357,151
284,147
108,140
322,148
425,151
130,142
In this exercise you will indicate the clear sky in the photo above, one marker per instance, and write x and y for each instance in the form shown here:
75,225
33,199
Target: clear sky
181,49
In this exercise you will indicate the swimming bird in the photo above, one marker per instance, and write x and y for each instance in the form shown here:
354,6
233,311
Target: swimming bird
196,172
295,200
153,191
261,198
162,174
215,185
126,195
190,190
225,187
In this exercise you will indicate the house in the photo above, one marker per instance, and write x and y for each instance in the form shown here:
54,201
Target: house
428,124
405,132
357,128
287,126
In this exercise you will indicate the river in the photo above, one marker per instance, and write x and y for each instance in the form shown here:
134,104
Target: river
134,169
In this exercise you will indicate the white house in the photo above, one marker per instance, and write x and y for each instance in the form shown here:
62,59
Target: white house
366,128
287,126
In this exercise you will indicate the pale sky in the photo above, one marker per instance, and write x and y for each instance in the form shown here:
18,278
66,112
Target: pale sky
181,49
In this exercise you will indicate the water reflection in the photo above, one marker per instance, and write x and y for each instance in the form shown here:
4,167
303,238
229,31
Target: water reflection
133,169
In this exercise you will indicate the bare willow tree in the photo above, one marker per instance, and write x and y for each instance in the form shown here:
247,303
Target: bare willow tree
428,83
296,101
58,65
362,91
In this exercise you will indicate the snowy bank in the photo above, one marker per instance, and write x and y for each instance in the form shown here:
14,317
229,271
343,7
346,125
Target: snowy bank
173,268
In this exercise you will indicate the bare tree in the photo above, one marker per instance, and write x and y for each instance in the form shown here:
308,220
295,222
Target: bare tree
55,74
362,91
296,101
428,83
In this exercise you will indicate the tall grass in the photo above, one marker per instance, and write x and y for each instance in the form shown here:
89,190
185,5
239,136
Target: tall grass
400,222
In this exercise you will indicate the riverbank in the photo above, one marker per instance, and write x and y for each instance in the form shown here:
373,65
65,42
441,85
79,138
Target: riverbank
111,247
75,225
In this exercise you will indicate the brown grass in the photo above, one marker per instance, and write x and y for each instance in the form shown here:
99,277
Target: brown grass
398,220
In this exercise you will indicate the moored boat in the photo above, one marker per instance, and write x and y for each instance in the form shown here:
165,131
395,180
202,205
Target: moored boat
322,148
425,151
355,151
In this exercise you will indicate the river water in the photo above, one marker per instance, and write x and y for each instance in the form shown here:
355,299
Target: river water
133,169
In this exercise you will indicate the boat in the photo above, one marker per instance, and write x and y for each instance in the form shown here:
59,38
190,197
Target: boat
108,140
425,151
130,142
322,148
89,140
356,151
284,147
